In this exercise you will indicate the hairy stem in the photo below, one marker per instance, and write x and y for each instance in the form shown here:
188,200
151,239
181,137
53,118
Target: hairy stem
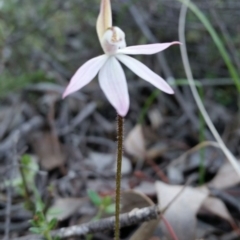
120,121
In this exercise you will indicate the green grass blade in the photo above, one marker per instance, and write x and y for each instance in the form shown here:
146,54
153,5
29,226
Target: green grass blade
232,70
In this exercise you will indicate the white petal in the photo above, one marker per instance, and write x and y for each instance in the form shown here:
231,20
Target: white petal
145,73
146,49
85,74
113,83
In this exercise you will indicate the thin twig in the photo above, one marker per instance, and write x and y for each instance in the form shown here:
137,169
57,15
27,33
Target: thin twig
157,170
183,157
169,228
107,224
176,196
197,98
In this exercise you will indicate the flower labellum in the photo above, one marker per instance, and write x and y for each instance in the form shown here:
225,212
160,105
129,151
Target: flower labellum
111,76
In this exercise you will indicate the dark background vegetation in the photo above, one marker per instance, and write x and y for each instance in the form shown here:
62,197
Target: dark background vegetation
42,43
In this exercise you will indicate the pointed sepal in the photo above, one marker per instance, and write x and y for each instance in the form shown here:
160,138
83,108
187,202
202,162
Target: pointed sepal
104,20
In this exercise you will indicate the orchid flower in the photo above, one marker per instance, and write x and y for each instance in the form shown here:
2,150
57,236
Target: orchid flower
111,76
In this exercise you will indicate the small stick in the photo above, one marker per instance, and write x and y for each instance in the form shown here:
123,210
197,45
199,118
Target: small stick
106,224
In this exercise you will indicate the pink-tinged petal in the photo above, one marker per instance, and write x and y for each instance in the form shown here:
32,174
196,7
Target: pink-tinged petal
85,74
145,73
146,49
113,83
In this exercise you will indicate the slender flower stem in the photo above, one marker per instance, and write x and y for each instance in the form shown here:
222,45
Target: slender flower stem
120,127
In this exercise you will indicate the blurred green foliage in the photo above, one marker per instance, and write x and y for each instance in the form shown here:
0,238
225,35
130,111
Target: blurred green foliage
9,82
29,169
104,204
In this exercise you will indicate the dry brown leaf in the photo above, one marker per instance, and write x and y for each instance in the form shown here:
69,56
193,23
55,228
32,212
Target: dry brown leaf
135,142
63,208
134,199
181,214
217,207
48,149
225,178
